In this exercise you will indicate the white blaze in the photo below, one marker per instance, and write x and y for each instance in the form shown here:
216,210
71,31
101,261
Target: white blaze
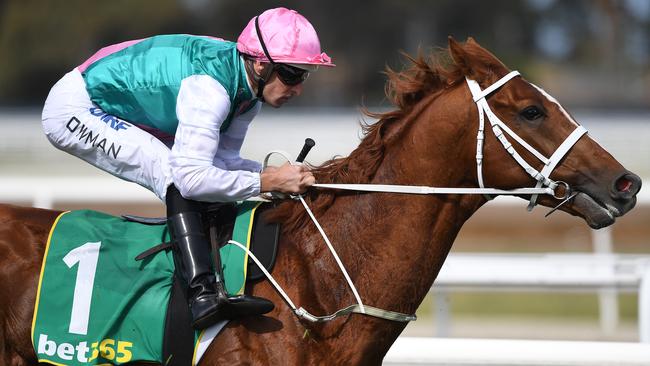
553,100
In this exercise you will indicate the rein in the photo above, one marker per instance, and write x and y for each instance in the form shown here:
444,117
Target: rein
392,188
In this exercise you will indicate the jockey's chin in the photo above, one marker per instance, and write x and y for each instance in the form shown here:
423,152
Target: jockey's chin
277,93
277,102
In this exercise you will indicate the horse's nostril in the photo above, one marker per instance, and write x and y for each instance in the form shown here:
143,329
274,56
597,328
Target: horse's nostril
623,184
626,186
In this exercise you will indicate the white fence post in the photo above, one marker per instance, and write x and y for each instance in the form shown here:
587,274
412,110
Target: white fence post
607,297
441,313
644,306
43,199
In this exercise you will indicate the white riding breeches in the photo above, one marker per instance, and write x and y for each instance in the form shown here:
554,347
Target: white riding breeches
75,125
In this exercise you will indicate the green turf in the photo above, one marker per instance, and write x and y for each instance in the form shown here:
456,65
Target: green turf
534,305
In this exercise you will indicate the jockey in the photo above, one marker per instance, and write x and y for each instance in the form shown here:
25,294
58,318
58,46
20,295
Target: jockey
171,112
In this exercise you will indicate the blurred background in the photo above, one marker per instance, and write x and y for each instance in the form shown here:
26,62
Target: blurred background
593,56
589,53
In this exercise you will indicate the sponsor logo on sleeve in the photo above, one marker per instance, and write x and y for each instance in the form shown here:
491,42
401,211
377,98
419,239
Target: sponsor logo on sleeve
114,122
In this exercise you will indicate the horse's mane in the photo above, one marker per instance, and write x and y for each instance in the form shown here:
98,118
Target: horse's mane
422,77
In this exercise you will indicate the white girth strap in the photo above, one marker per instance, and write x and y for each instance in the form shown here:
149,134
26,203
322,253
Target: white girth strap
306,315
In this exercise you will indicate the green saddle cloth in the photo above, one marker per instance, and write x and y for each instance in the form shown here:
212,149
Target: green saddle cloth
97,305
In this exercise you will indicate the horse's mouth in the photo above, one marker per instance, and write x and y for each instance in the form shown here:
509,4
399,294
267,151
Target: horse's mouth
596,214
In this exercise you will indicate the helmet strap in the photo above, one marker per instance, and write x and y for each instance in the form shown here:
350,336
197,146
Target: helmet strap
263,79
261,82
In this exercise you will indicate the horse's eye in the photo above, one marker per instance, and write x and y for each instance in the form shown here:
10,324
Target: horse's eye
532,113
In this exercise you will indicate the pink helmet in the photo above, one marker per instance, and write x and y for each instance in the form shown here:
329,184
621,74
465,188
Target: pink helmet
288,36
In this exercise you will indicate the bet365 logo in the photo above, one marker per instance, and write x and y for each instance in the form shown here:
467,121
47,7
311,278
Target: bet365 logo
108,349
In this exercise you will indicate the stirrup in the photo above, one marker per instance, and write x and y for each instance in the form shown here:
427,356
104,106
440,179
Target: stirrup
245,305
231,308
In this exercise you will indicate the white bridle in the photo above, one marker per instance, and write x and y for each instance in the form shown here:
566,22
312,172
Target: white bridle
542,177
545,185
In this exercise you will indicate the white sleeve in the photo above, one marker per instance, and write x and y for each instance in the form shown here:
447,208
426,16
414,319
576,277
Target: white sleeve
201,107
232,140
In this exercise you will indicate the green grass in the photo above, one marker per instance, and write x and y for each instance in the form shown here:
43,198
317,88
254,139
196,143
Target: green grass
532,304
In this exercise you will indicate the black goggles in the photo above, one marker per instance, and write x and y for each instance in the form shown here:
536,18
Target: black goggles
290,75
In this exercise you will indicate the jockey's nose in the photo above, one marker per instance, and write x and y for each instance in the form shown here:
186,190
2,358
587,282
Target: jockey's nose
626,186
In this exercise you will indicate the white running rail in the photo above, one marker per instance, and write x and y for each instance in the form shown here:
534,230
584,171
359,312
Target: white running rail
408,351
548,272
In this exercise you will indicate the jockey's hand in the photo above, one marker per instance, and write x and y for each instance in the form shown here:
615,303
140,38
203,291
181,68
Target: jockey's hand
290,179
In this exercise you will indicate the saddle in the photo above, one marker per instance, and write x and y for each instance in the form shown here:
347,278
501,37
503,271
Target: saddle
219,219
264,236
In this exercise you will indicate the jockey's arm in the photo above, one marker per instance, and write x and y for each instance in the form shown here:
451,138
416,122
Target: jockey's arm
231,141
286,179
202,106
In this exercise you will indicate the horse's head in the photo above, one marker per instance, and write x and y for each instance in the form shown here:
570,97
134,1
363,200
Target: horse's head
603,188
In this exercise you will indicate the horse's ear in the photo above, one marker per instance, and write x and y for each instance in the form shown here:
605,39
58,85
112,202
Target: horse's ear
458,54
474,61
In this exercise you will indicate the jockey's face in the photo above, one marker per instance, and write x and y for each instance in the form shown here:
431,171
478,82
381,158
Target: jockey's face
276,93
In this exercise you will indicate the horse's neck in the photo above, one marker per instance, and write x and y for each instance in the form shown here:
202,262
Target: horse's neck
393,245
407,237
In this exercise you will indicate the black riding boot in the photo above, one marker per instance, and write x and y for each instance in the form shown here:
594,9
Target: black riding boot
207,298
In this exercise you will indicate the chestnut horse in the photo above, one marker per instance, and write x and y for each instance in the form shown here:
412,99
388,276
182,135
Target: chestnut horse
393,245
